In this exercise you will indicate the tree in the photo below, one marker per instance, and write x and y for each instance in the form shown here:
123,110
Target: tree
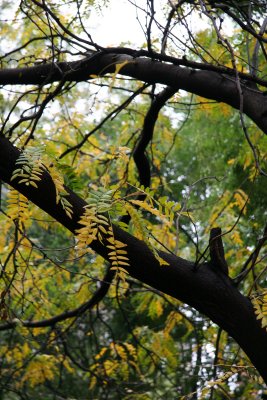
130,185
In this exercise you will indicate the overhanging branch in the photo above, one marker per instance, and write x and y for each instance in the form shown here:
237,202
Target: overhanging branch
211,293
218,86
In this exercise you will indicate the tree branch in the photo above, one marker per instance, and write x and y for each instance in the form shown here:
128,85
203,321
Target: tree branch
221,87
211,293
95,299
217,251
140,158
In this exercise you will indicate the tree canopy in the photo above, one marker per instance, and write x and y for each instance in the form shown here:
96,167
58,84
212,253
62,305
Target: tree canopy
133,200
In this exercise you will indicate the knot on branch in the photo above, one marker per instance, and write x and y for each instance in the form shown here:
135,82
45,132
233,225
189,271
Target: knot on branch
216,250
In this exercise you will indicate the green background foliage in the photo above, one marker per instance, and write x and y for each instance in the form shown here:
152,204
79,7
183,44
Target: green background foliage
137,343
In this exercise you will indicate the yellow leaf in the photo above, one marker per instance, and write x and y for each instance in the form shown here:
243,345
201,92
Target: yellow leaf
118,67
231,161
162,262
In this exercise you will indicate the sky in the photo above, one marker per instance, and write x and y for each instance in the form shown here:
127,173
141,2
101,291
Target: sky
117,23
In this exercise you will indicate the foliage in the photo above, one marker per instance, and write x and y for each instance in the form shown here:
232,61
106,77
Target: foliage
133,342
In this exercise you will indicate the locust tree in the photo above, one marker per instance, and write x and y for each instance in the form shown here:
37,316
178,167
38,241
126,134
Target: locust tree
133,200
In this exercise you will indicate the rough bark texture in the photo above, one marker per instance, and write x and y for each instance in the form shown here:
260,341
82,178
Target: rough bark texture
206,288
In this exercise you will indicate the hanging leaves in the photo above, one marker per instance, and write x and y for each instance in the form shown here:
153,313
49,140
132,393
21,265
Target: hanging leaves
30,167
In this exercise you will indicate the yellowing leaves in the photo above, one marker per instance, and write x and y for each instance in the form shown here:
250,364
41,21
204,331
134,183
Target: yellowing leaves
42,368
225,109
259,302
118,67
116,360
30,167
231,161
235,236
117,256
163,208
155,308
153,303
229,206
18,207
18,354
101,353
97,226
164,348
61,193
171,321
142,231
241,200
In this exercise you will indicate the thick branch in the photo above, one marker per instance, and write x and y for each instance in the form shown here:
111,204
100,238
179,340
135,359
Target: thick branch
221,87
209,292
140,158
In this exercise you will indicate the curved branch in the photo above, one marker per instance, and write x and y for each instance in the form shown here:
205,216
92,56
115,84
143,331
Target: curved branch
204,289
139,154
221,87
140,158
95,299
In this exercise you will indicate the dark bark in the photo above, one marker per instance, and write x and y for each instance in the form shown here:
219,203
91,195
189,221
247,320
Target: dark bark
204,288
217,251
139,153
221,87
